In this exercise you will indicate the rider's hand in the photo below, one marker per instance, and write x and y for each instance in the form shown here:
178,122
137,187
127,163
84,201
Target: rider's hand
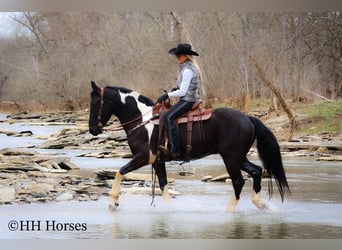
162,98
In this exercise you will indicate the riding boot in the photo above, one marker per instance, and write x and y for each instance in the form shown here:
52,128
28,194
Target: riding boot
174,140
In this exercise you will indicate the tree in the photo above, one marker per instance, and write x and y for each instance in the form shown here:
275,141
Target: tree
55,57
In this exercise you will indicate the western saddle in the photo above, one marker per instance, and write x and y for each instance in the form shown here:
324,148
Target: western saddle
197,113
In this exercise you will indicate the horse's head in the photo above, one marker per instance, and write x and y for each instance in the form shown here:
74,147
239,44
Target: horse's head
100,111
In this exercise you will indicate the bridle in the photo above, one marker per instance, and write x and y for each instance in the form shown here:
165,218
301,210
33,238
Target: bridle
99,123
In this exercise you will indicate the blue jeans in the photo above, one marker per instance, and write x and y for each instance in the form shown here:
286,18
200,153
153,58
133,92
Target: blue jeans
170,117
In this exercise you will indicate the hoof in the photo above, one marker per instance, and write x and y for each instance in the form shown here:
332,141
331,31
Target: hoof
167,198
232,204
260,205
258,201
230,209
113,206
166,195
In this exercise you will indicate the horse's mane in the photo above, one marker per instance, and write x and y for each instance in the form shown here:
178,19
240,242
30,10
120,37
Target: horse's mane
121,89
141,97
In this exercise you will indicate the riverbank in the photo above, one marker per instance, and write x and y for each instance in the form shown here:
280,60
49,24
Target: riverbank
41,173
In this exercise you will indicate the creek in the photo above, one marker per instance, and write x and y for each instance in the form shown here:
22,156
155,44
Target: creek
314,209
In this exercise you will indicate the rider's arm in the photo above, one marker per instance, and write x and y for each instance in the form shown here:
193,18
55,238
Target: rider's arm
187,75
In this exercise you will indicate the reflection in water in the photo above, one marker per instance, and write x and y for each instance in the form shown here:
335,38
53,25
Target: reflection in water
115,231
188,216
160,228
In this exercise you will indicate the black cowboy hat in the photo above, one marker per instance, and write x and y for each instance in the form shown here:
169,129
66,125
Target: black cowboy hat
183,49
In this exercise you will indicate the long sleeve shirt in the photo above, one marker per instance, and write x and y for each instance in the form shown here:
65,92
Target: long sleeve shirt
187,75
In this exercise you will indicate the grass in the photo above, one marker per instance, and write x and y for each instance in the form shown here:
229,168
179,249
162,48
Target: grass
326,116
322,116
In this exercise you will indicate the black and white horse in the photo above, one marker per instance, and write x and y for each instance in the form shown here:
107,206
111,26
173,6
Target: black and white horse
228,132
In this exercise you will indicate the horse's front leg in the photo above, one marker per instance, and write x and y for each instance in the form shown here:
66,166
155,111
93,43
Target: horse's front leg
114,192
137,162
159,167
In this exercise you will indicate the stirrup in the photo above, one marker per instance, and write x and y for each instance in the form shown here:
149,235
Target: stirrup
166,152
173,155
163,150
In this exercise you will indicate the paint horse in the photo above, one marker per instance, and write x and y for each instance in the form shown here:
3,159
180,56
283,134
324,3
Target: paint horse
228,132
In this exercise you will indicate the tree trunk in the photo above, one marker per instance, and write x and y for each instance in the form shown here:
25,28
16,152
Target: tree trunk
298,48
31,26
276,92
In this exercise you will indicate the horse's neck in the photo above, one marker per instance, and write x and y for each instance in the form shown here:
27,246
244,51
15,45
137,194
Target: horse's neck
134,112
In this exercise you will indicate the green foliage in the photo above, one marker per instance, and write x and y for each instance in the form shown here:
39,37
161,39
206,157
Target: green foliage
327,116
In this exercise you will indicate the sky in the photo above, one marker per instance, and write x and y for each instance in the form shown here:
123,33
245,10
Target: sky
7,24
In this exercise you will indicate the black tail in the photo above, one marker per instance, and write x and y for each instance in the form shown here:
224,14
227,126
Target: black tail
269,153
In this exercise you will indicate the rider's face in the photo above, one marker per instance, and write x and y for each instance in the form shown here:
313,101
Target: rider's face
181,58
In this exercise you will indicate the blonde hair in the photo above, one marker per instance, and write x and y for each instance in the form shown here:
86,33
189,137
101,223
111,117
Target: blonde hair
191,59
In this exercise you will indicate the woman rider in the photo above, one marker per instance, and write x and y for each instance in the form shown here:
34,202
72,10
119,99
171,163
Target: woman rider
187,90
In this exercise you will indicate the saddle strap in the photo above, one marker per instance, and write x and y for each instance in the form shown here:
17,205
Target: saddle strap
189,136
190,117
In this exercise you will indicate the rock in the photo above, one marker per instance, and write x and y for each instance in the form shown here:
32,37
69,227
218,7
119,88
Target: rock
65,197
105,174
107,154
25,133
185,173
16,152
137,177
7,194
39,188
127,155
222,177
330,158
7,132
20,134
312,145
50,166
207,178
142,177
15,168
67,165
52,145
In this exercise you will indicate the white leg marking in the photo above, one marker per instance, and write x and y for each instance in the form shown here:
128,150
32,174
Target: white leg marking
152,158
114,193
257,200
166,194
232,204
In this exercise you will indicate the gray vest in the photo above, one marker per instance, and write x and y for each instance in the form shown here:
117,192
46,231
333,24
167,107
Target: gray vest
193,93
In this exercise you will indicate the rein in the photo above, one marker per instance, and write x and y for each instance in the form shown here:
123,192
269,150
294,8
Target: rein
99,123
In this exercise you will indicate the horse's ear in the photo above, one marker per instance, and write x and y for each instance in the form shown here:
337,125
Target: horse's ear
94,86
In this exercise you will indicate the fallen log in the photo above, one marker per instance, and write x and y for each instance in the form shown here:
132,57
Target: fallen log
330,158
292,146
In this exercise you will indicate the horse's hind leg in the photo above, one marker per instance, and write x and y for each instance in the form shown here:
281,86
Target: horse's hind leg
233,168
255,171
162,178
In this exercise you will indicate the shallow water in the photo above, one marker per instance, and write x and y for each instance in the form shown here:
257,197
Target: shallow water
314,210
192,215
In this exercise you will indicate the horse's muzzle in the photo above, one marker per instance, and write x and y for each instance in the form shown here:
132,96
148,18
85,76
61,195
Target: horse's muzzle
95,130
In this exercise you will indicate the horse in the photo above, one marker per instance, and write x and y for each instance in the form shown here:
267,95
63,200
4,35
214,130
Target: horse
228,132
